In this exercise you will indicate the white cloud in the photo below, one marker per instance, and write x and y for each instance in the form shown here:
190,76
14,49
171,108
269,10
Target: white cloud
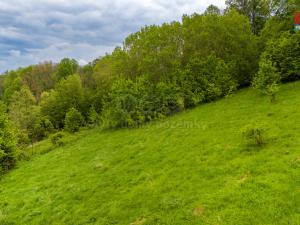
14,53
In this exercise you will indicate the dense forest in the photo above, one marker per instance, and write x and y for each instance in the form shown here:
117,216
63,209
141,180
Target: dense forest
158,71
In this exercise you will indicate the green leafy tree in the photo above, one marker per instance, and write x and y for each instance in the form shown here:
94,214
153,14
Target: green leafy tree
212,9
12,83
205,80
229,37
155,51
23,111
73,120
7,142
38,78
284,54
86,76
257,11
125,105
40,128
65,68
274,28
166,99
267,79
67,94
20,106
94,118
111,66
281,21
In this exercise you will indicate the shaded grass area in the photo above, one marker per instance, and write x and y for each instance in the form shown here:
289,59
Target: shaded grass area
192,168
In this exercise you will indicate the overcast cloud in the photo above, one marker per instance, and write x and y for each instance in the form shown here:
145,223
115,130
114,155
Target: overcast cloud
34,31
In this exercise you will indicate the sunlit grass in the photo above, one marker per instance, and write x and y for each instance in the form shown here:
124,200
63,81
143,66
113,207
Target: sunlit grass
192,168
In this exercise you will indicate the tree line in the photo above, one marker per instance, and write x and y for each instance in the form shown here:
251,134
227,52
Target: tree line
158,71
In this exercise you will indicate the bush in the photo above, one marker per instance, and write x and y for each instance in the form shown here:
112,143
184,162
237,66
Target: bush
94,118
284,54
7,143
22,155
254,134
228,36
267,78
45,127
22,137
66,95
57,139
73,120
41,128
167,99
205,80
125,107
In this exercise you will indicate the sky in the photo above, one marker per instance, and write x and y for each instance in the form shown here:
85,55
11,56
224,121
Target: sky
34,31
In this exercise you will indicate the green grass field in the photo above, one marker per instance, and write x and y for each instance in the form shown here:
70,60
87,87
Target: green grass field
192,168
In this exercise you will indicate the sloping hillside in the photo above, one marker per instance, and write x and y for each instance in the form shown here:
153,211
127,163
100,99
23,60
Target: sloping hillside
192,168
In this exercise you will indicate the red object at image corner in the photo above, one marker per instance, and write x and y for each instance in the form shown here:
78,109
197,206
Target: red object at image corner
297,18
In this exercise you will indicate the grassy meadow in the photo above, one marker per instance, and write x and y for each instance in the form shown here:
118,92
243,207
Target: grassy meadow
191,168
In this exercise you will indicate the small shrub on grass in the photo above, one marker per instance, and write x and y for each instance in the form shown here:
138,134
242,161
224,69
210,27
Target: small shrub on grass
254,134
22,155
57,139
94,118
267,79
39,129
73,120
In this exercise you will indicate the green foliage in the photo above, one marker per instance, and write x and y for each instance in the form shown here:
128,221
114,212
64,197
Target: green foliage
7,142
254,134
67,94
212,9
36,78
206,80
228,37
39,78
155,51
256,10
22,155
94,118
86,76
166,99
126,104
267,78
65,68
2,79
23,112
111,66
20,106
100,94
132,102
57,139
274,28
12,83
73,120
42,127
284,53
